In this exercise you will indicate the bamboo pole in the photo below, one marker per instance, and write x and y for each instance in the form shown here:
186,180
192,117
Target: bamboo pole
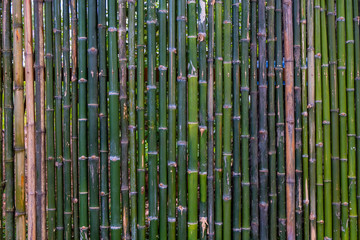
8,120
326,124
30,120
244,225
74,119
40,123
124,119
192,124
280,124
19,142
289,117
334,110
254,175
103,118
115,227
66,122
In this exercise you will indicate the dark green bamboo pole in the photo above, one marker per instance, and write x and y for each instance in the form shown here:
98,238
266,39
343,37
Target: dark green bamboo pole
263,126
326,124
114,153
182,113
298,127
203,219
334,109
132,119
218,118
280,123
172,123
58,121
318,125
351,133
193,138
162,120
66,123
151,114
254,175
40,121
341,38
210,119
103,118
19,140
83,160
124,119
271,119
74,119
50,150
236,169
311,111
140,120
8,120
245,180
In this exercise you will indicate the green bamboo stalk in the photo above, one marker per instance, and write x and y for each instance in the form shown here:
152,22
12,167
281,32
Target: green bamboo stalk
244,225
40,121
151,113
298,127
124,120
30,121
210,119
236,175
193,123
103,118
172,124
182,113
271,119
340,6
334,109
218,118
326,123
114,153
263,128
8,120
141,121
311,111
227,109
66,123
254,175
132,120
162,120
74,119
50,150
318,123
19,140
203,219
83,168
351,134
280,123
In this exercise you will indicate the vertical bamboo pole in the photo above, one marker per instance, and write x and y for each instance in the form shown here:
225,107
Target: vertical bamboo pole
203,219
280,124
19,145
74,119
192,124
254,175
8,120
66,122
245,181
289,117
103,118
326,123
30,120
40,121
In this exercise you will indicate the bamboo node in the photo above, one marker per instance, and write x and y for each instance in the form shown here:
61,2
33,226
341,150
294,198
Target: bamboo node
171,219
163,186
325,65
351,135
342,114
343,159
349,41
219,223
340,19
350,89
345,204
341,67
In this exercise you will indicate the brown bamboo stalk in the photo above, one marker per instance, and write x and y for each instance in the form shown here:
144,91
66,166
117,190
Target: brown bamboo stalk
289,116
